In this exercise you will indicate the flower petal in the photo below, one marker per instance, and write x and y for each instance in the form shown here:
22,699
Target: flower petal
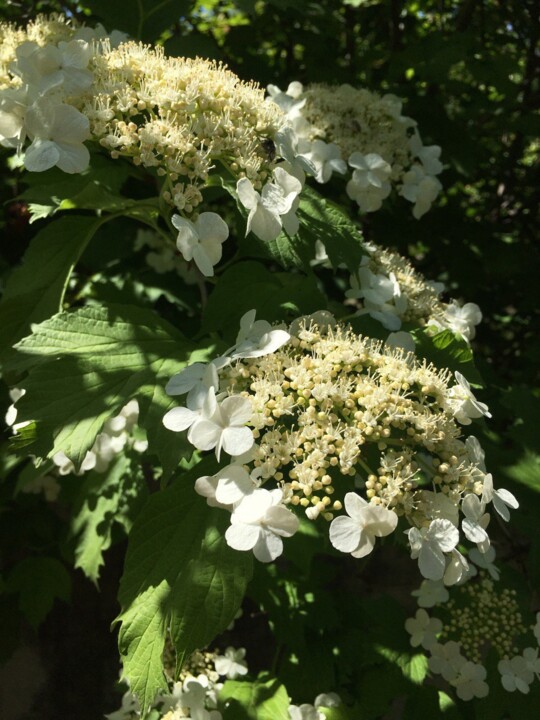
345,533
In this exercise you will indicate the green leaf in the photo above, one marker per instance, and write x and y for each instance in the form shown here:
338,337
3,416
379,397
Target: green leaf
39,581
249,285
98,187
446,350
181,577
413,667
106,499
86,365
144,19
325,221
35,290
259,700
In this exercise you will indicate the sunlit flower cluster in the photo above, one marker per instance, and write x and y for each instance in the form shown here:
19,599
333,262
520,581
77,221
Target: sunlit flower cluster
337,128
481,618
317,412
391,291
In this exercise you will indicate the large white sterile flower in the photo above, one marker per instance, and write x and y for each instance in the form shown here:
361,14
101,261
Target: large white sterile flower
470,683
461,320
290,100
356,533
463,403
516,674
270,210
200,405
381,295
431,593
429,545
369,184
194,376
420,189
476,521
58,132
427,154
423,629
259,522
223,426
13,104
201,241
233,484
51,67
446,660
231,663
502,499
485,561
257,338
304,712
325,159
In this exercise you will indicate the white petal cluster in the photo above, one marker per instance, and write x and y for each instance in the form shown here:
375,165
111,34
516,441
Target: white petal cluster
201,241
383,147
274,207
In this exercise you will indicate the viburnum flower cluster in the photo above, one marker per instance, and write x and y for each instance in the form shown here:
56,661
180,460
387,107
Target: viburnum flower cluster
346,130
316,418
483,618
391,291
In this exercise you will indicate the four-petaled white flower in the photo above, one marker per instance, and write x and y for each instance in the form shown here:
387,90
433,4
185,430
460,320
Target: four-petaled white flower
431,593
485,561
58,132
304,712
446,660
427,154
259,522
502,499
201,241
222,425
461,320
369,184
463,403
420,189
476,521
273,208
470,681
196,379
325,159
429,545
356,533
257,338
231,663
516,674
423,629
51,67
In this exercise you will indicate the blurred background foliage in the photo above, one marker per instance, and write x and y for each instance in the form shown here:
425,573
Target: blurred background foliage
469,73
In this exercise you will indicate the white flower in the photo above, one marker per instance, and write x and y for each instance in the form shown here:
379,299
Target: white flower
196,380
257,338
325,158
530,655
290,100
423,629
420,189
463,404
51,67
516,674
431,593
369,184
270,210
199,405
233,484
222,425
430,544
502,499
327,700
457,569
485,561
470,681
446,660
381,296
461,320
58,133
427,154
476,521
231,663
356,534
13,104
401,339
304,712
201,241
476,454
259,522
129,708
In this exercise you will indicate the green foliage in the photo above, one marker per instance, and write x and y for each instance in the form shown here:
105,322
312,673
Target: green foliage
86,365
180,580
38,581
105,500
264,699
